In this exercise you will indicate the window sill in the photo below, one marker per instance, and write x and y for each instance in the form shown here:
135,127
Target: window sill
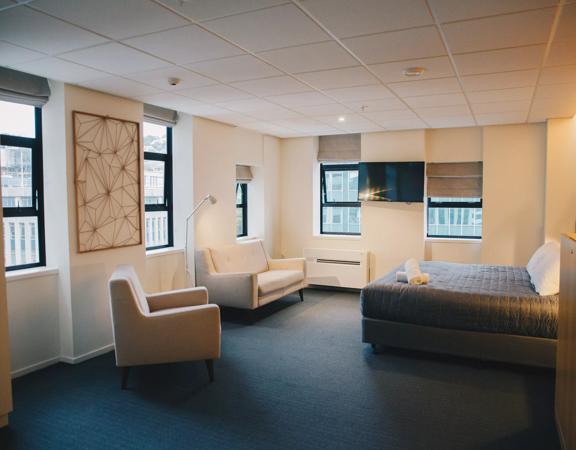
163,252
453,240
246,238
34,272
339,237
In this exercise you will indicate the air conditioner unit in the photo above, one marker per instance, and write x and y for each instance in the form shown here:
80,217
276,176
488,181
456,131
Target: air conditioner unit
340,268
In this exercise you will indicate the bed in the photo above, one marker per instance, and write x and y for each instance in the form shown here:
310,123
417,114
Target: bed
483,311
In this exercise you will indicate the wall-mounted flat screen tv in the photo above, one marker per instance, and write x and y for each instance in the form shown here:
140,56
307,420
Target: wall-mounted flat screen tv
391,181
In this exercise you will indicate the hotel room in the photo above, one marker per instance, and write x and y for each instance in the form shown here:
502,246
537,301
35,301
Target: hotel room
288,224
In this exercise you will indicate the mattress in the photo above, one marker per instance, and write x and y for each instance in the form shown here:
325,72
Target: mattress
495,299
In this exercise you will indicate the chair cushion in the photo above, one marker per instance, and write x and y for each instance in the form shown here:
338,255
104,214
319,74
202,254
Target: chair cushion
277,279
127,272
246,257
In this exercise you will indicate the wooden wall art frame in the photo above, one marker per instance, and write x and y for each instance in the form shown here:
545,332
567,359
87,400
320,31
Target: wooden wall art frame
107,182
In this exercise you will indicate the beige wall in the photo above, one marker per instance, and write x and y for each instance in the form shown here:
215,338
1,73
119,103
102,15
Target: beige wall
513,193
560,214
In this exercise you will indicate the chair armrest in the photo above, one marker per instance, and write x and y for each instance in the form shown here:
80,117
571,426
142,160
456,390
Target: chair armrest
235,289
178,298
287,264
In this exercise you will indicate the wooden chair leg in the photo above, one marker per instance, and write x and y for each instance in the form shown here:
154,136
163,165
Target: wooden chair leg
125,374
301,292
210,367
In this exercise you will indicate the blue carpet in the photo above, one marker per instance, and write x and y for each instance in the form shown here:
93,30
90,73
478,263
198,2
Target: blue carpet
297,378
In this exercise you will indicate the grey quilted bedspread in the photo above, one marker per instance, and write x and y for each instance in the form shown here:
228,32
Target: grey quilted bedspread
496,299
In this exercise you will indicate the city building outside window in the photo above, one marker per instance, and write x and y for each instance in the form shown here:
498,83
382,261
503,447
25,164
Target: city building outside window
454,218
22,185
340,208
158,185
241,209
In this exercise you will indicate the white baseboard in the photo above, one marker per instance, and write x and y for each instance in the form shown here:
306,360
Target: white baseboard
33,367
65,359
88,355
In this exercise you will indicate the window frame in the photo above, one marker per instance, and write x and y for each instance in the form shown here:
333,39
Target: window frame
328,204
244,207
167,207
37,188
456,204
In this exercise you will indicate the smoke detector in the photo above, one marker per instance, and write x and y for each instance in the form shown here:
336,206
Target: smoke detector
174,81
413,71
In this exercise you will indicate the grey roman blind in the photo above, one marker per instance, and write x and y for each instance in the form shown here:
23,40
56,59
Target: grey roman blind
341,147
243,174
160,116
454,179
21,87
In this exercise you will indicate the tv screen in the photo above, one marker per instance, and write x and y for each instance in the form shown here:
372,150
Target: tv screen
391,182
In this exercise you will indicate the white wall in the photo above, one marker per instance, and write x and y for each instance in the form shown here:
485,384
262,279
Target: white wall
560,214
513,193
5,382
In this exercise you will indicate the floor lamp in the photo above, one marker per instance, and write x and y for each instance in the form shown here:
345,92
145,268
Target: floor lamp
208,198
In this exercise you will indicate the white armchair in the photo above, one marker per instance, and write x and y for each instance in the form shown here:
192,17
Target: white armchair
243,276
161,328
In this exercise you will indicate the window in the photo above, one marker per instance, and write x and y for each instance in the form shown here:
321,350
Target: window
455,217
241,209
340,207
22,185
158,185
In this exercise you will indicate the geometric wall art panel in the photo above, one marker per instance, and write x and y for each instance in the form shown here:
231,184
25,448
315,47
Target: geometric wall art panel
107,178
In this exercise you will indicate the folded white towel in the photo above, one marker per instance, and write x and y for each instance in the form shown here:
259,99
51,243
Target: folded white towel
402,278
413,273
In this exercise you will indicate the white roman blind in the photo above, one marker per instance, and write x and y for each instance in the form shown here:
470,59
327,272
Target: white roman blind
160,116
243,174
340,147
21,87
454,180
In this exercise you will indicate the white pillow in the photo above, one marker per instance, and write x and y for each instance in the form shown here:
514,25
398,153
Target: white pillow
544,269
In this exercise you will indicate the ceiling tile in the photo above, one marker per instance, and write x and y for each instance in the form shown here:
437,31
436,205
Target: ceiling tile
301,99
556,91
552,108
501,118
426,87
451,121
504,80
436,100
230,118
236,68
345,18
271,28
249,105
567,26
160,78
338,78
439,67
120,86
385,104
37,31
562,53
369,127
214,94
268,128
503,60
304,124
451,10
513,30
559,74
204,10
12,54
359,93
501,95
174,101
309,58
57,69
402,124
113,18
498,107
344,120
185,45
114,58
322,110
274,114
443,111
382,116
397,45
272,86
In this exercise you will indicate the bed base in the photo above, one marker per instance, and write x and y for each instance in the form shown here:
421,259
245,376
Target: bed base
515,349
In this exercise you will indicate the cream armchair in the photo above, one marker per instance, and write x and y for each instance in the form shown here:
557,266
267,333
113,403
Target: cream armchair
243,276
161,328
